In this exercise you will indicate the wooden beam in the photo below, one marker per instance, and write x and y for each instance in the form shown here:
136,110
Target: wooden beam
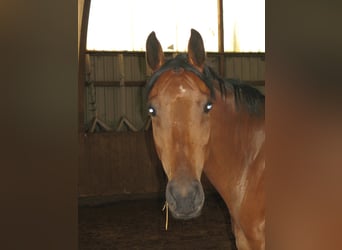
220,37
169,54
118,83
256,83
142,83
81,66
81,86
220,26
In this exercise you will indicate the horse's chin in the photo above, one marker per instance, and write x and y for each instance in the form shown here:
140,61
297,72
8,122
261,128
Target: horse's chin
187,216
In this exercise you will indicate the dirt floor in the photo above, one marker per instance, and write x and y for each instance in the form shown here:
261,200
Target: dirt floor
140,224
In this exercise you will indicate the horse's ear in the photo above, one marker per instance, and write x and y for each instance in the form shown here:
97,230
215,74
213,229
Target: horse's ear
196,52
154,52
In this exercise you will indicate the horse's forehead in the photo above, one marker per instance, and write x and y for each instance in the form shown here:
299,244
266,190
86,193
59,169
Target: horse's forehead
174,84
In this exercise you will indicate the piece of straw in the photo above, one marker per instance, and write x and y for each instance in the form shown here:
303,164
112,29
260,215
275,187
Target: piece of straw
166,207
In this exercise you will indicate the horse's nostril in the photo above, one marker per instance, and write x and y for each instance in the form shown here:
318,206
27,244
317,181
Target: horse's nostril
198,196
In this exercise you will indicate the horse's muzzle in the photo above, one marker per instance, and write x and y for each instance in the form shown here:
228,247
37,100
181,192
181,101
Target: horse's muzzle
185,198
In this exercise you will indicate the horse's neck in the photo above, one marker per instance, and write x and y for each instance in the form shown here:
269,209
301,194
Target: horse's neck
237,140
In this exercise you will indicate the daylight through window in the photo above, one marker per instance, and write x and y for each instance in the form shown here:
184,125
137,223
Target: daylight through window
125,25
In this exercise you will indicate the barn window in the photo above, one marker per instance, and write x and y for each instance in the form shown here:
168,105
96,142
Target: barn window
125,25
244,25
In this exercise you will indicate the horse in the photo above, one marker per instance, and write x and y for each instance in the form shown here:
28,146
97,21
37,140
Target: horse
203,123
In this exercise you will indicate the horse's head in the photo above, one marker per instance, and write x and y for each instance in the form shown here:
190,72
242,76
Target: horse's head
179,103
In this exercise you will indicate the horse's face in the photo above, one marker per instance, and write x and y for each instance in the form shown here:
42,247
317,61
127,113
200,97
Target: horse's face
179,108
179,104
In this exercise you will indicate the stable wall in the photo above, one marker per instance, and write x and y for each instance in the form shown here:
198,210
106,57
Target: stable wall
122,162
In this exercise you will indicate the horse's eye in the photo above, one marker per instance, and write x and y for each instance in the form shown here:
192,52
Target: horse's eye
152,111
208,107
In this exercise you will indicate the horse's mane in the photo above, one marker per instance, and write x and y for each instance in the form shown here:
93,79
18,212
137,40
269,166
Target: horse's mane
244,94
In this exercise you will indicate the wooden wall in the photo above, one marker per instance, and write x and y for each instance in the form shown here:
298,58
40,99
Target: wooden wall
122,163
119,83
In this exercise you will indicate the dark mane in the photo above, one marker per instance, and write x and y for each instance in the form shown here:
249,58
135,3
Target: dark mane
244,94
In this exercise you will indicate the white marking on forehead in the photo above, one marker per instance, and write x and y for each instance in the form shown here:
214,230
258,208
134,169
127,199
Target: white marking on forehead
182,89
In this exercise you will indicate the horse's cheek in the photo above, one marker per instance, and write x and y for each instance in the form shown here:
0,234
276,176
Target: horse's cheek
156,136
205,132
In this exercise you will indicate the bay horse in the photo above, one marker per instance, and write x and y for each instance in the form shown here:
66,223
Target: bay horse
203,123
